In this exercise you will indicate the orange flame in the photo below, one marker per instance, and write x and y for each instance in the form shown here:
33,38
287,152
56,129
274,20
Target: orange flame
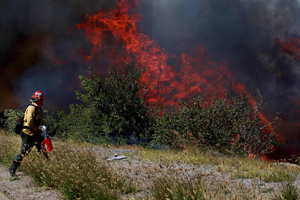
189,77
198,74
291,46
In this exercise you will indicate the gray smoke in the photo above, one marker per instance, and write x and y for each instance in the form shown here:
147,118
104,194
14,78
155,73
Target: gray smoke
40,49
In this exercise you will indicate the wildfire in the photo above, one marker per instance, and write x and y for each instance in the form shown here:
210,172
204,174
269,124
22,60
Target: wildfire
190,76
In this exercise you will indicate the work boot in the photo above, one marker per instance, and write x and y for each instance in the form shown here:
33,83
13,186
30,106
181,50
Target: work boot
12,172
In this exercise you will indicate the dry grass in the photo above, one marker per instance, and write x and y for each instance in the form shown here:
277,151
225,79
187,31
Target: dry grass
237,166
74,171
233,167
73,168
9,145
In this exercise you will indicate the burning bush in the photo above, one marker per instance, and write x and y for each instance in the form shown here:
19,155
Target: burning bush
114,110
230,124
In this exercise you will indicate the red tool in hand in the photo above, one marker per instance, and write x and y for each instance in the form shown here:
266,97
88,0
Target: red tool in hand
46,144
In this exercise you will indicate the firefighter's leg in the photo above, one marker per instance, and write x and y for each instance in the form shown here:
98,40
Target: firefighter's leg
25,149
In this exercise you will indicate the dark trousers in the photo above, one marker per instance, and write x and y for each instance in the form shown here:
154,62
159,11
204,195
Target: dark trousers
27,143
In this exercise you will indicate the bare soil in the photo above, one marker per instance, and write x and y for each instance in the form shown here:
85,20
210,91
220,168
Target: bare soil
22,187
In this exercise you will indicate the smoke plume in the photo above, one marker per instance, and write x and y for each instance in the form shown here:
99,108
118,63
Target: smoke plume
40,50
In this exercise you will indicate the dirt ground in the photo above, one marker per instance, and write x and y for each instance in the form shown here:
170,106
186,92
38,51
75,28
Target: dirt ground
22,187
143,173
139,172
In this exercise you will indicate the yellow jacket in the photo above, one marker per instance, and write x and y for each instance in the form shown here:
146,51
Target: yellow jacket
33,118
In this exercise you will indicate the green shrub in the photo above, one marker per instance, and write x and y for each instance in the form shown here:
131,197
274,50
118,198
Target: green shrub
51,121
81,124
112,109
227,124
11,118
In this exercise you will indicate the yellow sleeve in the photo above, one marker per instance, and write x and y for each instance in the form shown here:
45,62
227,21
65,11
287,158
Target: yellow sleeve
29,118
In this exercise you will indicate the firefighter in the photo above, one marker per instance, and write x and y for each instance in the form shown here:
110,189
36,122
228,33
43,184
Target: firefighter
31,132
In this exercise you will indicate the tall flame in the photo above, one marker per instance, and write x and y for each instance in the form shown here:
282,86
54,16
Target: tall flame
188,76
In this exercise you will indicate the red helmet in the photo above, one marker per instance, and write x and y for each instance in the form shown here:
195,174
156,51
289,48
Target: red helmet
37,95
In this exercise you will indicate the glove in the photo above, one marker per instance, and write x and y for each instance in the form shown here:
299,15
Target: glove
44,132
42,127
